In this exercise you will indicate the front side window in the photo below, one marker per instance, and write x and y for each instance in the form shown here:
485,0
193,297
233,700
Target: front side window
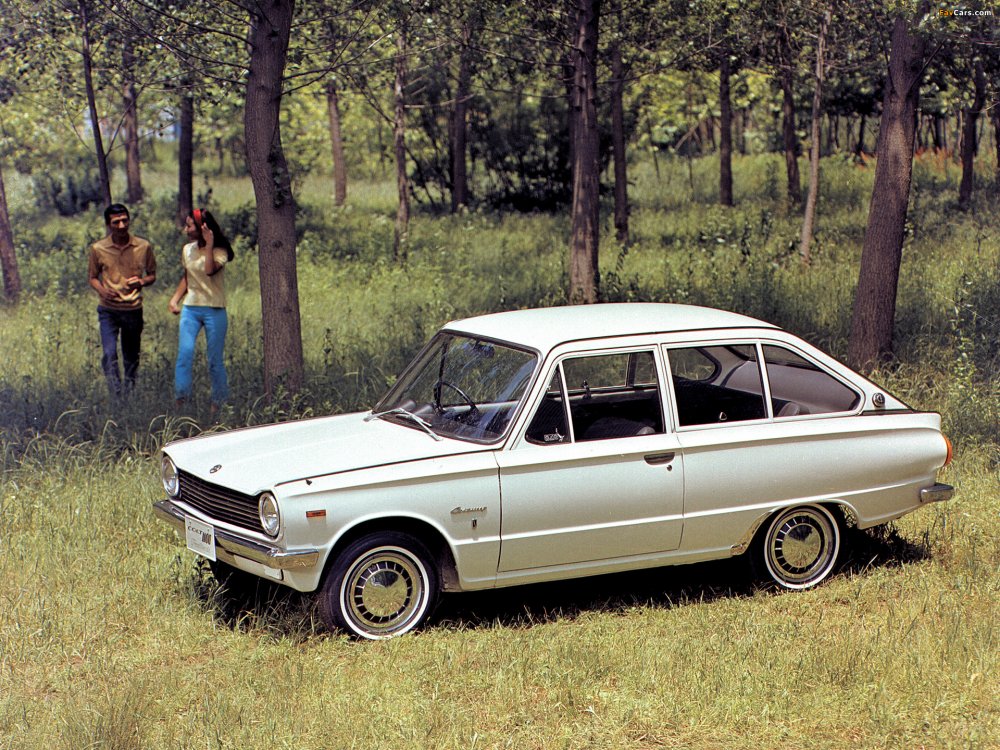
715,384
602,396
461,387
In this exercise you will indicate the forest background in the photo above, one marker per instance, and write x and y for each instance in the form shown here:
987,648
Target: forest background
834,170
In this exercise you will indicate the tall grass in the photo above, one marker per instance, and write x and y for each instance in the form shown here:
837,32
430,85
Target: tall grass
112,636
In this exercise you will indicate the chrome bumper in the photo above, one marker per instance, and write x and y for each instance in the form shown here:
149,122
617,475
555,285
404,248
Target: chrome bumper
228,544
937,493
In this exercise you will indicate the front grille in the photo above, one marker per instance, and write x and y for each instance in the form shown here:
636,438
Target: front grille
220,503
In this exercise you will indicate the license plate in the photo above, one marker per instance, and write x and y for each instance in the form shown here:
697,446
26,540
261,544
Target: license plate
200,537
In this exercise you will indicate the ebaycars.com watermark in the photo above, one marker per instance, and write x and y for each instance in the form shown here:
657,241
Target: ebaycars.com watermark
963,12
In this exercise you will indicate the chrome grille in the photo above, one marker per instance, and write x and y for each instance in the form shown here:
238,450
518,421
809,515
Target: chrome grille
220,503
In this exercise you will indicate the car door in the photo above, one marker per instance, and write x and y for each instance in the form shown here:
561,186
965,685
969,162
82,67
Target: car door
756,438
596,474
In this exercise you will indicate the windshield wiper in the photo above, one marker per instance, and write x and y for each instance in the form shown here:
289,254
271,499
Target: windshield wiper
401,412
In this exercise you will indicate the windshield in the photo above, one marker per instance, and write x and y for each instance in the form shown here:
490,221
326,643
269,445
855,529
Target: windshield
461,387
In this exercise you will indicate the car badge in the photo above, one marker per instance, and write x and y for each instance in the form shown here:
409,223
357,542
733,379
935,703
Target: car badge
215,468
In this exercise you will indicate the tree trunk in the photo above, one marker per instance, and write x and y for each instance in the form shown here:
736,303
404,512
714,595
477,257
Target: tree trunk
859,148
875,300
725,134
402,228
789,139
996,141
8,259
584,276
460,124
741,130
940,139
809,221
970,117
95,123
133,173
270,27
185,154
618,134
336,144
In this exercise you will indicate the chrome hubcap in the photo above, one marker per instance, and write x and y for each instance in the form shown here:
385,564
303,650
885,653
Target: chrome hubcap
802,547
384,592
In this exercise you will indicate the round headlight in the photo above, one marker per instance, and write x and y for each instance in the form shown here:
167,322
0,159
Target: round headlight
269,518
168,474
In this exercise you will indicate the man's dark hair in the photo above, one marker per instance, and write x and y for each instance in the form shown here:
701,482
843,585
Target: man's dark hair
113,210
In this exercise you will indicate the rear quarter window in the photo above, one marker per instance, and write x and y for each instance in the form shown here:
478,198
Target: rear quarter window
799,386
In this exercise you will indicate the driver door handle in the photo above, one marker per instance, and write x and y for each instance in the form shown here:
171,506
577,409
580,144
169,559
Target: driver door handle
658,459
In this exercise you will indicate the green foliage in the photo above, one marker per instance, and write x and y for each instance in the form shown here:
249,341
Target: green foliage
364,316
71,189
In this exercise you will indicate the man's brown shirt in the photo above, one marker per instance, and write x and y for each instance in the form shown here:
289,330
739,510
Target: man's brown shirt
112,265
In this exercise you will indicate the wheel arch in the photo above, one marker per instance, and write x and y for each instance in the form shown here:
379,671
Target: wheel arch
842,510
427,533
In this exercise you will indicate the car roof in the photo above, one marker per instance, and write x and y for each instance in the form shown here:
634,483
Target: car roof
545,328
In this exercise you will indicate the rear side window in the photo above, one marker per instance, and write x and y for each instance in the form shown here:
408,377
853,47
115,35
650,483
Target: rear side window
799,386
716,384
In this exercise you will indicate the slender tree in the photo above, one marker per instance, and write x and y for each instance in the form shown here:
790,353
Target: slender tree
270,30
585,234
618,124
402,226
470,26
95,120
336,143
725,133
995,113
133,171
970,117
809,221
789,138
875,299
185,151
8,259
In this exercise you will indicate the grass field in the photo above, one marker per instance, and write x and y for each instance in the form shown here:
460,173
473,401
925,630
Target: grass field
112,636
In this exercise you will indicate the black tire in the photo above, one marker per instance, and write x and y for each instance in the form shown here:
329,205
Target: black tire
382,585
798,548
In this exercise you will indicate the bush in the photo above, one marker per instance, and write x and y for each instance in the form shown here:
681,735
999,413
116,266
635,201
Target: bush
71,190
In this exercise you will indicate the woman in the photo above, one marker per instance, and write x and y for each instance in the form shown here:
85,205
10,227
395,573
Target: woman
202,287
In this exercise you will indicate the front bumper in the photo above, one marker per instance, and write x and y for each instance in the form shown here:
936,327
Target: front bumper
228,544
936,493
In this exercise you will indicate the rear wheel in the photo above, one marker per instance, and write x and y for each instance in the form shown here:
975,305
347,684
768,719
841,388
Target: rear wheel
799,548
382,585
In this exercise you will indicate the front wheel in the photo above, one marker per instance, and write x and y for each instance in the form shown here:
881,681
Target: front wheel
799,548
383,585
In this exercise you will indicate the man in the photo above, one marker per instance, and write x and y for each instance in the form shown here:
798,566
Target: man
120,266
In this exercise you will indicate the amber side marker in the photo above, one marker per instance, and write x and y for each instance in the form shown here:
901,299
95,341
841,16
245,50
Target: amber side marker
315,514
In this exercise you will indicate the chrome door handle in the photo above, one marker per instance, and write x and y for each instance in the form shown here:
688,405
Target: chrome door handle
658,459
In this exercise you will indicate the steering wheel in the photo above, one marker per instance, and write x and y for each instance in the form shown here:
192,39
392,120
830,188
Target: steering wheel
473,409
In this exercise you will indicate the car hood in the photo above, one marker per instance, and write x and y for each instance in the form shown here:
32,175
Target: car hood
255,459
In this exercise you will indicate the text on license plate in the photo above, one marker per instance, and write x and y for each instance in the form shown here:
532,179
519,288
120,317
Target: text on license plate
200,537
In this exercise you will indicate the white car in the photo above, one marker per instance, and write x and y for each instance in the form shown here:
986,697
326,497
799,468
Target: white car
547,444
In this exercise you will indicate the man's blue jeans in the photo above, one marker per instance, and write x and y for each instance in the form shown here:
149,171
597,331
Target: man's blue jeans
126,324
215,322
